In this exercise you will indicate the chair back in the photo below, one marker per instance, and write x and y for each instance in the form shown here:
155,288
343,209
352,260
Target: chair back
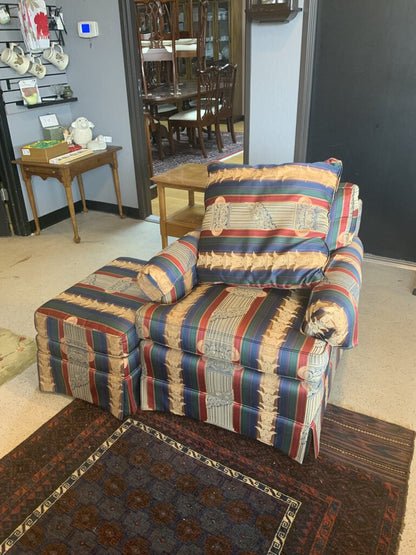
157,20
208,95
226,77
202,33
157,28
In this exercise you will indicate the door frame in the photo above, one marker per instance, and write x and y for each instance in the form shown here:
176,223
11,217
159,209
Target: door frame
10,176
137,121
310,15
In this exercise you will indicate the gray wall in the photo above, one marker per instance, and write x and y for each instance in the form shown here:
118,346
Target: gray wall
273,91
96,75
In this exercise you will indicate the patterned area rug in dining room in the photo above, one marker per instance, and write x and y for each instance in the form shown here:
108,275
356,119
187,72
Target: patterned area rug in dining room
159,483
186,154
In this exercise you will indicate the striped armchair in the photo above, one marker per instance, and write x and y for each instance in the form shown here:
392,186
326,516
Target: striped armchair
245,323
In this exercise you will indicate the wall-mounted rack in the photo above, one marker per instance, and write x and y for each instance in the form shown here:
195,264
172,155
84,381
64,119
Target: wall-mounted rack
46,102
9,79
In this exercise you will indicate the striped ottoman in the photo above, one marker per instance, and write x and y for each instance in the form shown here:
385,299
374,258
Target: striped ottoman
87,342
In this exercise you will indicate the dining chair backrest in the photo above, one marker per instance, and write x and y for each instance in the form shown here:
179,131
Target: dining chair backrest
157,28
157,20
208,94
226,76
202,33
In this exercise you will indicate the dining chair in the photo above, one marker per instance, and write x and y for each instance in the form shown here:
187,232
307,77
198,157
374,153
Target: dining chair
227,77
191,43
205,115
157,28
162,42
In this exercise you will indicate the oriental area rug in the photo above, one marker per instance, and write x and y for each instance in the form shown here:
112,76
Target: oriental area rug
17,352
186,154
158,483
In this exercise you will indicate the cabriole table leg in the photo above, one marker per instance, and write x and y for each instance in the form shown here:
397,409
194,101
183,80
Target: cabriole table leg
28,182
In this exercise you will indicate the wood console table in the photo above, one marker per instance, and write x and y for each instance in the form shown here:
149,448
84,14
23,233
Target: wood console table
191,178
65,173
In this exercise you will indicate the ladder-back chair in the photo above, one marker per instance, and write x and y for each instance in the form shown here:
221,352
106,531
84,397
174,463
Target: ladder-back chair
227,76
157,24
204,115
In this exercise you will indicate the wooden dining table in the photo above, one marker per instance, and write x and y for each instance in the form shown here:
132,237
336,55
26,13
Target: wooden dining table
165,95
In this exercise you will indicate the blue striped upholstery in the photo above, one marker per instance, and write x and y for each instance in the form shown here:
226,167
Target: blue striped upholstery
266,225
171,274
87,342
332,313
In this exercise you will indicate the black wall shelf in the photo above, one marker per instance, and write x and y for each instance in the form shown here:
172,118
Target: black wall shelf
47,102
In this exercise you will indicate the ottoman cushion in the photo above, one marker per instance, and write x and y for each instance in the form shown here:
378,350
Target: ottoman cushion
87,342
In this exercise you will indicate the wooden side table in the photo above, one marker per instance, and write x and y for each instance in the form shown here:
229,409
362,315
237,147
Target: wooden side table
189,177
65,173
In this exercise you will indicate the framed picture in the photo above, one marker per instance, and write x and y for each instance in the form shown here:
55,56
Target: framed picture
280,11
30,91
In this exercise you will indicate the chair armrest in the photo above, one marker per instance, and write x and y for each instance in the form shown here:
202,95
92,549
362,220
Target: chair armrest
331,313
171,274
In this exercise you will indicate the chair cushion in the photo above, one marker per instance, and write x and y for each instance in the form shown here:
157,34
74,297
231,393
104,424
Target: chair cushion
96,314
171,274
344,218
258,329
266,225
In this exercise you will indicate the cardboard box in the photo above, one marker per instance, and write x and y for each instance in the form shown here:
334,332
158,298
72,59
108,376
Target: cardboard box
43,151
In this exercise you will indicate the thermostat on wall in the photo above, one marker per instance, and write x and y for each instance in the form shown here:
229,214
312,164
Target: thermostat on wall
87,29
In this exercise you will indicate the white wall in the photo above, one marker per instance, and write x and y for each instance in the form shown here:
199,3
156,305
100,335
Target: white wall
274,82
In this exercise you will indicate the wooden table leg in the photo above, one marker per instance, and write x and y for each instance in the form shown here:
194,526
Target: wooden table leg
191,198
66,182
81,192
28,182
114,166
162,214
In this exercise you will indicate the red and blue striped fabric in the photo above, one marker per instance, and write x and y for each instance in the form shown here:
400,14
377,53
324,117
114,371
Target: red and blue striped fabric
258,329
332,313
87,342
344,218
281,412
171,274
266,225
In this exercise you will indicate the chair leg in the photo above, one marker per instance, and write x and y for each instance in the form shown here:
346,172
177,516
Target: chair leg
171,141
218,137
231,125
159,141
201,142
192,131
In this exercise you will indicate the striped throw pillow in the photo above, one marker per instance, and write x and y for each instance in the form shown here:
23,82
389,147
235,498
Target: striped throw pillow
332,312
344,218
265,226
171,274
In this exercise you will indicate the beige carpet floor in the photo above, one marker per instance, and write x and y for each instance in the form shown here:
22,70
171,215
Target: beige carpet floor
377,378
